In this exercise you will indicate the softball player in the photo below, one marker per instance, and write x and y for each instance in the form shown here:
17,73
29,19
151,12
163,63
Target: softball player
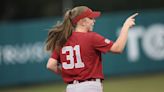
78,49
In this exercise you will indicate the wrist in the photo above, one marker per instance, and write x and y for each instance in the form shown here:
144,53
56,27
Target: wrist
125,27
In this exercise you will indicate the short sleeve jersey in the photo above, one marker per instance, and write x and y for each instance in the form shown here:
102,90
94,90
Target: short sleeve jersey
81,58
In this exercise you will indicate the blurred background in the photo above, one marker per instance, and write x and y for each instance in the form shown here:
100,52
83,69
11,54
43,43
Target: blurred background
24,27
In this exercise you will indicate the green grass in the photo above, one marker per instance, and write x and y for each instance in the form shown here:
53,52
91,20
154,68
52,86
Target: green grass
144,83
151,83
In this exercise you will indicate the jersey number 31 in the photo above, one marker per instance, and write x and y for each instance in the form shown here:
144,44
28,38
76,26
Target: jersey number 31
70,57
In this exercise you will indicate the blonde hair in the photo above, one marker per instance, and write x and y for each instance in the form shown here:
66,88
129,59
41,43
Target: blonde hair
60,33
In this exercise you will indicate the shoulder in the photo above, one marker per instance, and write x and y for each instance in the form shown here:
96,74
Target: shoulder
94,34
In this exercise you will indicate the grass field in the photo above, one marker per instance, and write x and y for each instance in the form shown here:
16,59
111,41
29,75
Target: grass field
142,83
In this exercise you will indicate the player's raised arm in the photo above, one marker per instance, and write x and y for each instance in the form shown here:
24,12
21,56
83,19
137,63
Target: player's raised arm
119,45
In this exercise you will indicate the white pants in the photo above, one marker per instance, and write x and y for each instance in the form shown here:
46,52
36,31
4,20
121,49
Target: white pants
88,86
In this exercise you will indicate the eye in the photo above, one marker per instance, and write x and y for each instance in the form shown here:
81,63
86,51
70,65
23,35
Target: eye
91,18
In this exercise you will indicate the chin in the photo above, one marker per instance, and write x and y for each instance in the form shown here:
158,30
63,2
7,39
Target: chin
91,29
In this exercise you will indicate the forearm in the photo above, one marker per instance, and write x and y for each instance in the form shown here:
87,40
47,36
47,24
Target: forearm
122,39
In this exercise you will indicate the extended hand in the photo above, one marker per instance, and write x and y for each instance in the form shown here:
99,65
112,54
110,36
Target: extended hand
130,21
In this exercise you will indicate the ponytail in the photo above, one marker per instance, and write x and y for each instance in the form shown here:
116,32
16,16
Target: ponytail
59,34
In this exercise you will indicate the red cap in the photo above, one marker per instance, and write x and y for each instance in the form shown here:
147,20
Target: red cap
87,13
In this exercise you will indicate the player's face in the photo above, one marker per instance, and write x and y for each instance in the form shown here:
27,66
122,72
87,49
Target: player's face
89,23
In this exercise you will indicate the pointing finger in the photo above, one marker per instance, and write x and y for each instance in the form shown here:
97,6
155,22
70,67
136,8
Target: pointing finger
134,15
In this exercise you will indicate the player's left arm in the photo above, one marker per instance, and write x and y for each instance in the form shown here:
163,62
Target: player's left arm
53,65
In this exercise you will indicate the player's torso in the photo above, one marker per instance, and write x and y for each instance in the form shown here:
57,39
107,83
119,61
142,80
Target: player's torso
78,57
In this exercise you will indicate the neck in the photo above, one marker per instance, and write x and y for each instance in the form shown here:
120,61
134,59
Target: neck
81,29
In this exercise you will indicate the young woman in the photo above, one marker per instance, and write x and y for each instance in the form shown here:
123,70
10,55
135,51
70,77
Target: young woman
78,50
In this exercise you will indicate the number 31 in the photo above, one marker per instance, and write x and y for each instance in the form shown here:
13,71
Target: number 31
70,57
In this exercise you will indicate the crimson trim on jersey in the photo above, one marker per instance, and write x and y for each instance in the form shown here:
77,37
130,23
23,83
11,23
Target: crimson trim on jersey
87,13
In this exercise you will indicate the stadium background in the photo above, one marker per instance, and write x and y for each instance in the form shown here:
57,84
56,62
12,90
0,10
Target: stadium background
24,26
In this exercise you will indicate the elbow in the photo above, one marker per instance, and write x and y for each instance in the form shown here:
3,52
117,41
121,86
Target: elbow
48,67
51,64
51,67
118,51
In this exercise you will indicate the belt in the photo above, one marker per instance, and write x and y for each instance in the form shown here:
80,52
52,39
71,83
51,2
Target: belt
79,81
